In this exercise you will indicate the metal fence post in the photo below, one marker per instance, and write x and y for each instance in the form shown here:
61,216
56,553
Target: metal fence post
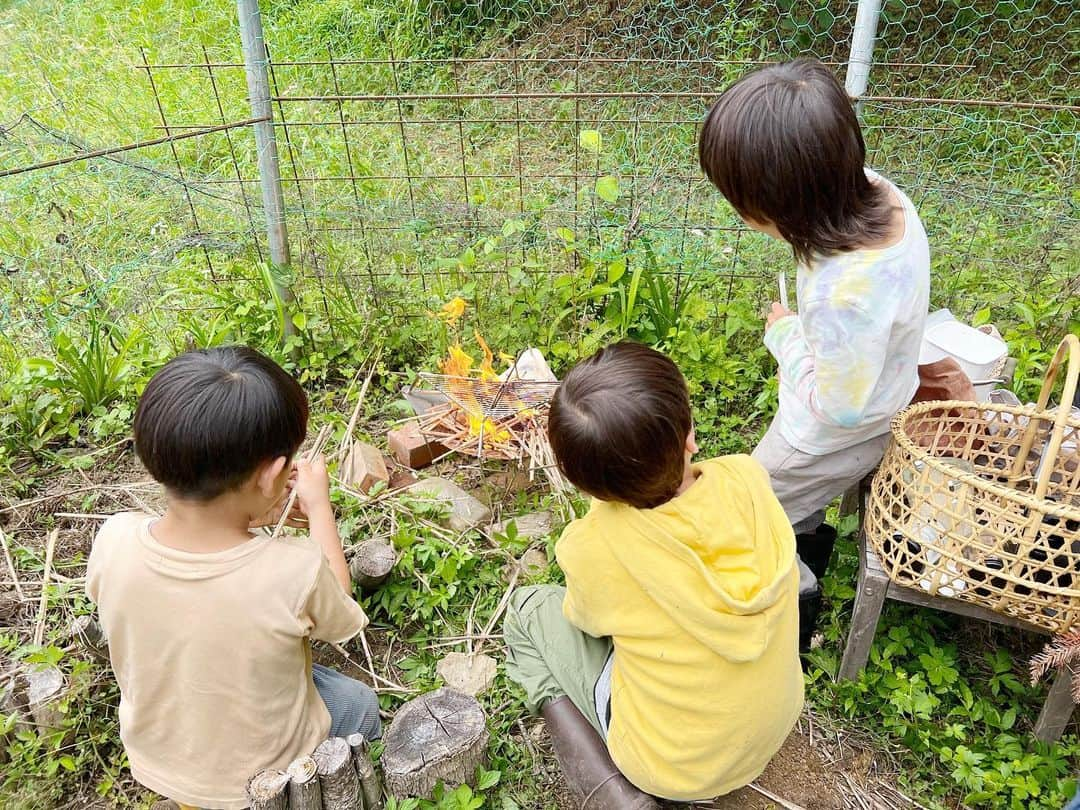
862,50
277,234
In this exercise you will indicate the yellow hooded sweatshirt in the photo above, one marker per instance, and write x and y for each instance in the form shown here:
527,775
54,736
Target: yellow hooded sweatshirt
700,596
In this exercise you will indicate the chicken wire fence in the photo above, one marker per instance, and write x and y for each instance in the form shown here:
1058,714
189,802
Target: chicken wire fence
513,145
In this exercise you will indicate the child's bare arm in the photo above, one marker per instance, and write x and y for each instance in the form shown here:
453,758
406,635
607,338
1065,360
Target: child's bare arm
312,488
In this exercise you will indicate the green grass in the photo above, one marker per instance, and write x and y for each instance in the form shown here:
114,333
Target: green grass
105,276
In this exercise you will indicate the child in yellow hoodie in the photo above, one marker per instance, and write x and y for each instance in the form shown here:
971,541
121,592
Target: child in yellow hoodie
672,652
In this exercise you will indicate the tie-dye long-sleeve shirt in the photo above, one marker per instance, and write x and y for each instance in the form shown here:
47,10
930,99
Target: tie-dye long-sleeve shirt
849,360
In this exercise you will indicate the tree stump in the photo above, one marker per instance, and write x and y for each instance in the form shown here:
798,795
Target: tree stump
268,790
370,785
371,564
304,790
337,775
438,737
87,633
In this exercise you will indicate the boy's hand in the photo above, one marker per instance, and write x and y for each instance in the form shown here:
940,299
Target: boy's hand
776,313
312,486
272,515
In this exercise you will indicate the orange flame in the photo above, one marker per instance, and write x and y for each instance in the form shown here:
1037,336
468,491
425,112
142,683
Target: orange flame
460,364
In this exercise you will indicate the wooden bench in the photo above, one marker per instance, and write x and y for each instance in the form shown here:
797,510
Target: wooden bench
873,587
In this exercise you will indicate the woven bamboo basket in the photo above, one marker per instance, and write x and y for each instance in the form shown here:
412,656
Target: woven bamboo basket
981,502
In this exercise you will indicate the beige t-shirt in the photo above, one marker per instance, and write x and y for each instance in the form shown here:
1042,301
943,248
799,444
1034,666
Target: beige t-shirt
212,657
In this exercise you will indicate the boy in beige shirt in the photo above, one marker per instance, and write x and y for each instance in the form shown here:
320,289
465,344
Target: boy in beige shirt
209,625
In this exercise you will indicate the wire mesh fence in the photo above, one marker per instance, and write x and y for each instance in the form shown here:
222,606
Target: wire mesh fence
521,145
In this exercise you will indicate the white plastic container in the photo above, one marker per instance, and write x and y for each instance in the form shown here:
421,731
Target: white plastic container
976,352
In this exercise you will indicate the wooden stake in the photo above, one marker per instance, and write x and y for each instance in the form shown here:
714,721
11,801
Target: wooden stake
11,565
304,790
337,775
43,605
370,784
267,790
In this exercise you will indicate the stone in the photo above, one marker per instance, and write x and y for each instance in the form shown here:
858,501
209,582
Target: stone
411,448
468,674
466,512
365,467
533,563
44,689
506,483
530,527
422,400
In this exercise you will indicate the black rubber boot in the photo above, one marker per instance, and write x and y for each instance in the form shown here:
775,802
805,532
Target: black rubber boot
815,548
809,608
586,764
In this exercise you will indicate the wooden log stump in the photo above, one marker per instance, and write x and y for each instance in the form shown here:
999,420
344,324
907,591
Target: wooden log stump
87,633
372,563
337,775
268,790
438,737
370,784
304,790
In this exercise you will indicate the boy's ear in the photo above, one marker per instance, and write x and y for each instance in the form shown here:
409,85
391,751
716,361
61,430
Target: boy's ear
691,443
269,475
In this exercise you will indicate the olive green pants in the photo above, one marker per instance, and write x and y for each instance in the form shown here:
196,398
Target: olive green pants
550,657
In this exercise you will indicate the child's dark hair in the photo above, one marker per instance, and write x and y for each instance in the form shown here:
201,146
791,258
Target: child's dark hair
209,418
783,145
619,424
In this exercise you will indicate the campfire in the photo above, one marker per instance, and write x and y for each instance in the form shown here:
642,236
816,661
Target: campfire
493,415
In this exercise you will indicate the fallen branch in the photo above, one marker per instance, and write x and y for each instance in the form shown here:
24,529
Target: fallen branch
43,605
11,566
347,438
774,798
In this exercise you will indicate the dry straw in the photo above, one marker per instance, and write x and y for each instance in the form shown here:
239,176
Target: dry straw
974,502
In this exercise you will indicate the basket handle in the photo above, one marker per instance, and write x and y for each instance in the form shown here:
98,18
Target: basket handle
1070,343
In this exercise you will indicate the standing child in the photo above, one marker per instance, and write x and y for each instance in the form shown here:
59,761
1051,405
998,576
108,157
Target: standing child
671,655
208,625
783,145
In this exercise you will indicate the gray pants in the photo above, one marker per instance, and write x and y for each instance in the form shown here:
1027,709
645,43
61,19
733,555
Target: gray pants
353,706
805,484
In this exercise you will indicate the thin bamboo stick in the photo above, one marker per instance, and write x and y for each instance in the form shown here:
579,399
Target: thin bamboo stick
43,605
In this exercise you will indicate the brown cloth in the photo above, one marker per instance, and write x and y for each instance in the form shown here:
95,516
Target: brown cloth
945,380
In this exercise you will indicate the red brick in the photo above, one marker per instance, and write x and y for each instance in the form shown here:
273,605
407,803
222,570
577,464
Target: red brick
409,446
